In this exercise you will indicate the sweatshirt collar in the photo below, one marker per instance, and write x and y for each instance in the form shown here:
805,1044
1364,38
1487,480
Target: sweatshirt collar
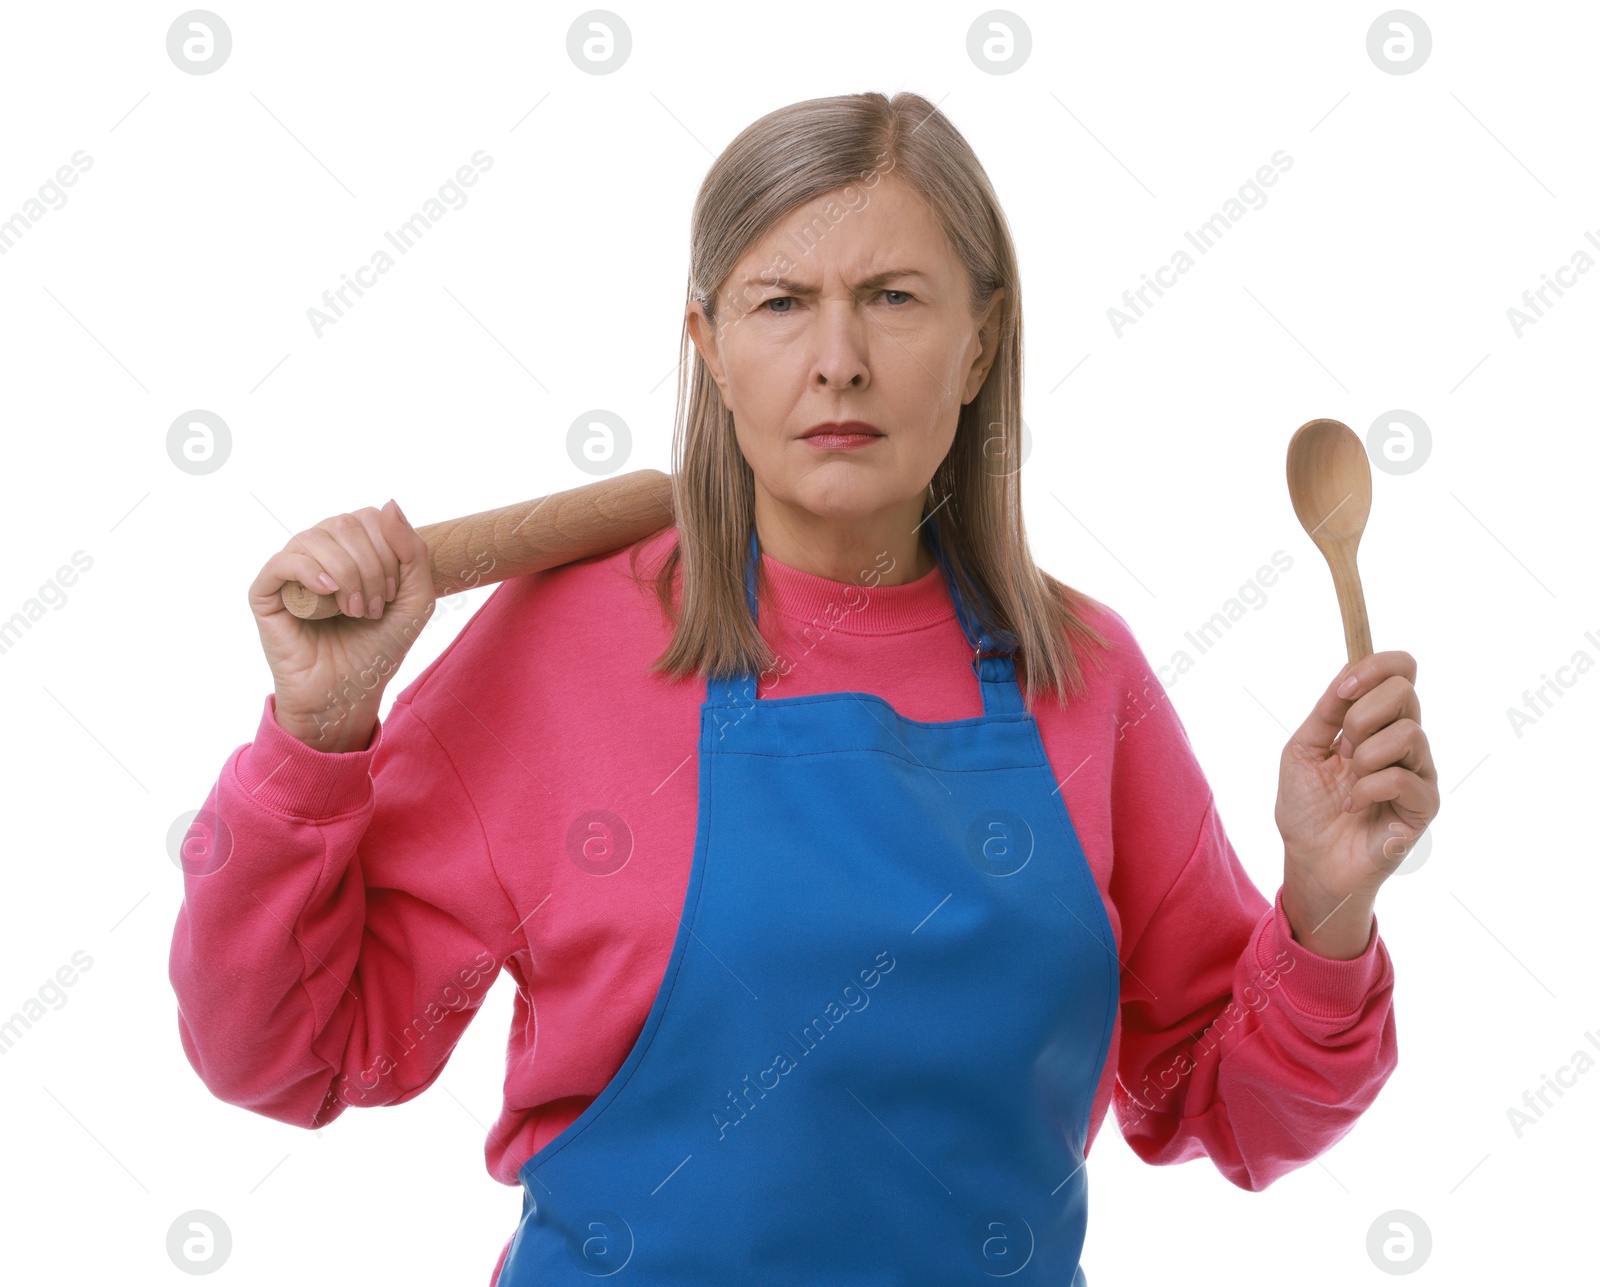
858,608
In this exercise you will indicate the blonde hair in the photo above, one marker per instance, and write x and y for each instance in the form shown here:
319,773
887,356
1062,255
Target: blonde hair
787,158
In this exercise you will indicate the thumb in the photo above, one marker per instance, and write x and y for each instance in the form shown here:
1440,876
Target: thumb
1316,734
408,546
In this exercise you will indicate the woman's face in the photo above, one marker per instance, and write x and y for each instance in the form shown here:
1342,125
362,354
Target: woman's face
854,307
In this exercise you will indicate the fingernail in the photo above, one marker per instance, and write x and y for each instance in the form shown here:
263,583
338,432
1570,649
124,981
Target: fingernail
327,582
1347,801
355,605
1349,686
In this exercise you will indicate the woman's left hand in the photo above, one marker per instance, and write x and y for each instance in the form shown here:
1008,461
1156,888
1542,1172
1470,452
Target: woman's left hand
1356,787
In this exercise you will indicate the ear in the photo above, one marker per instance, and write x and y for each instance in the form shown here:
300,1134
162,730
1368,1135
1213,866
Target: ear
702,331
989,343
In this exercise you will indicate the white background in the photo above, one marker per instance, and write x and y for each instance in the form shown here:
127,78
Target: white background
219,207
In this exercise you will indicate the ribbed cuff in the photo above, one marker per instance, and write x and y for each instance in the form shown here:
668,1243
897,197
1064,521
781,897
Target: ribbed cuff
286,775
1319,985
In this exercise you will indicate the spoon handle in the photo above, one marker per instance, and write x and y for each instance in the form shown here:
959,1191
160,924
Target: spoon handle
1352,604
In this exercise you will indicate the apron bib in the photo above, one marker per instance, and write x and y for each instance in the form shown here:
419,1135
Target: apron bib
874,1051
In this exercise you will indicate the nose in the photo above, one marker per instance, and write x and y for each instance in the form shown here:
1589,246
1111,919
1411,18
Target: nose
840,352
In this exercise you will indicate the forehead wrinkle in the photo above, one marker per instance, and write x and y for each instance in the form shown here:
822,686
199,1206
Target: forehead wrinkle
803,288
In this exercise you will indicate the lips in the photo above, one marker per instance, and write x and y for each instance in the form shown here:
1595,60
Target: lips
843,428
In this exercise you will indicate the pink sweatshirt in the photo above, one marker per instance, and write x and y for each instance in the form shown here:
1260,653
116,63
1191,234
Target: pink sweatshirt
369,899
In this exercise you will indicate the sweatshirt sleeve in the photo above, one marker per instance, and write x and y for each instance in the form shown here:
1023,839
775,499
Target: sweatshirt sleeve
1236,1041
339,925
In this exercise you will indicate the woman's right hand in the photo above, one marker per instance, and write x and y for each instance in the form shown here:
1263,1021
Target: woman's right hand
330,674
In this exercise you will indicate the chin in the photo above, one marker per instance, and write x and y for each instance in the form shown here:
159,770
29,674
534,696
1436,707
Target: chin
835,496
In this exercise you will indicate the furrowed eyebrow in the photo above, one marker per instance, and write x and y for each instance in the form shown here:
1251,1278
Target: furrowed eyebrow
800,288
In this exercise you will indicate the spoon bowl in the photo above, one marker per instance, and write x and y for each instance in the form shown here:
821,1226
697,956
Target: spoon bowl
1330,486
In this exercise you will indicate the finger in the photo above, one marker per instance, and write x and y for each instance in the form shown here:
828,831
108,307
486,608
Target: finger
1412,796
283,567
1403,743
351,532
389,562
341,563
1393,699
1317,732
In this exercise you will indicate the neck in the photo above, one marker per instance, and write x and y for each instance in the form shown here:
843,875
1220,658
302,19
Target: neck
883,548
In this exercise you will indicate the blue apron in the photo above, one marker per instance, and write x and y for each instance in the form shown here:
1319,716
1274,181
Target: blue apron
874,1051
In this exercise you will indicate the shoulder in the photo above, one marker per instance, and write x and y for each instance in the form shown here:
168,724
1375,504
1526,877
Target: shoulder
1110,623
1126,708
584,618
604,591
1120,664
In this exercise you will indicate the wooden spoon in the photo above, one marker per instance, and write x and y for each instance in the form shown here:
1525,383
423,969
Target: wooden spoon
1330,484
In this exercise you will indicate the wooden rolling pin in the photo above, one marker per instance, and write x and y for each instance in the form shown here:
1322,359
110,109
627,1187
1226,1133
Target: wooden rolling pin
481,549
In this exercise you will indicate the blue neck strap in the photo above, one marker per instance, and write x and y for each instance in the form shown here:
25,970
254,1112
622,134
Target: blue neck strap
992,651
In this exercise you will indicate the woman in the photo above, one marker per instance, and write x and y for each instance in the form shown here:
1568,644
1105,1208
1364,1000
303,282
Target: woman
842,897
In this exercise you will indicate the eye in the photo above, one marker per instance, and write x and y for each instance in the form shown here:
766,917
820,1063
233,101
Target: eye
790,299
